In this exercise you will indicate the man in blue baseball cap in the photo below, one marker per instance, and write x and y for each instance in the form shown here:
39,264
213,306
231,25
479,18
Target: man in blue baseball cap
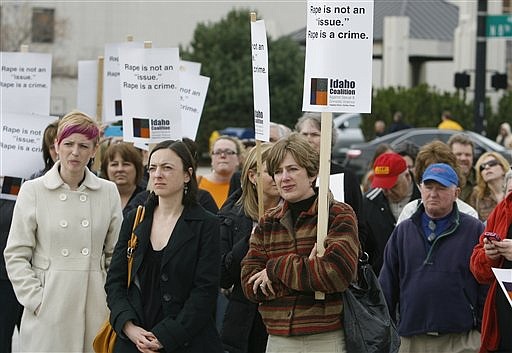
426,279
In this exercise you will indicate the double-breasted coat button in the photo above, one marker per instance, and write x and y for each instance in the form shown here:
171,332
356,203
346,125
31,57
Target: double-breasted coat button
63,197
167,297
85,223
164,277
64,252
85,251
63,223
83,198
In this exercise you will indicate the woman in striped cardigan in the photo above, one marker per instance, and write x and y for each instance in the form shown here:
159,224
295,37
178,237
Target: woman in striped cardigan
282,271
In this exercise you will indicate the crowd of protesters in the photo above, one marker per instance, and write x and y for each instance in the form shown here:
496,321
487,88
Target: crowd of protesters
215,272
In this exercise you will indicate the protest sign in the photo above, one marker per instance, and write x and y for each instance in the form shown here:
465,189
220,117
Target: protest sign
22,140
112,103
25,81
504,278
260,88
336,186
193,89
339,43
86,97
10,187
190,67
149,91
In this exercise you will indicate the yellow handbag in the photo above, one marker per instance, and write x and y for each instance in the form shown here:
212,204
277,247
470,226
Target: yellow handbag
105,340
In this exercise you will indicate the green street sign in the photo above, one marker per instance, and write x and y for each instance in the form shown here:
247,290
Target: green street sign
498,26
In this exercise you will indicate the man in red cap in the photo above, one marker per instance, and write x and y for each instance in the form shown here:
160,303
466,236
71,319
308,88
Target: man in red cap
392,188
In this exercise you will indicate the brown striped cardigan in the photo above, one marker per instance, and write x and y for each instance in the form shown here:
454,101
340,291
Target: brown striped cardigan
283,249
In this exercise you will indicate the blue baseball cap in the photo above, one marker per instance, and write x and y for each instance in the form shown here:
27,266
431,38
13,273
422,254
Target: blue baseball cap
442,173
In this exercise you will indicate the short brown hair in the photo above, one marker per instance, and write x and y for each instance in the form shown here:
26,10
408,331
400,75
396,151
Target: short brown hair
437,152
463,139
301,151
128,153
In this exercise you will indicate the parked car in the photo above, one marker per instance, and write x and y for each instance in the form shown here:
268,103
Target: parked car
348,130
358,158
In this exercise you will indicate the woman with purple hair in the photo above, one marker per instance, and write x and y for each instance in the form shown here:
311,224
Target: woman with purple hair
64,229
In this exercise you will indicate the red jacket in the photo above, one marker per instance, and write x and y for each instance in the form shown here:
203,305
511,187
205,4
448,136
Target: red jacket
499,222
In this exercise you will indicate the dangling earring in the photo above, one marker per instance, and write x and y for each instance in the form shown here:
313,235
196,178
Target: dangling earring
185,189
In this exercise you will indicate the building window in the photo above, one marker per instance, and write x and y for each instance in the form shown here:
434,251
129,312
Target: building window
506,6
43,23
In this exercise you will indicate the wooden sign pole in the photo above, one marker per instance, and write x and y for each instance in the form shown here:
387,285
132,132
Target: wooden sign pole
324,172
96,166
99,106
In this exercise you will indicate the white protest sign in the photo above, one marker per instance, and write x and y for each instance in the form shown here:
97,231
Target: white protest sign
86,93
193,89
21,143
260,88
339,43
504,278
336,185
149,90
25,82
190,67
112,104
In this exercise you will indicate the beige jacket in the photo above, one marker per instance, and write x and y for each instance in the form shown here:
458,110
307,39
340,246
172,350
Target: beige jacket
57,254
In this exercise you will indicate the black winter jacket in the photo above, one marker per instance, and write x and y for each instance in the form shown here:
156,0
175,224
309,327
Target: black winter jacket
379,223
243,330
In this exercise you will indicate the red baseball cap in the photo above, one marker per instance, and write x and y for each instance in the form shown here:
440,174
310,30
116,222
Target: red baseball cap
386,169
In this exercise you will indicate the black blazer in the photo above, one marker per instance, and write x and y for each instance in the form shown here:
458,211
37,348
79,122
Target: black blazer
189,283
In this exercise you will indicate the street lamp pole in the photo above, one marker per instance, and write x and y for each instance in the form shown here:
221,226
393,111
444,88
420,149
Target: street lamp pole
480,68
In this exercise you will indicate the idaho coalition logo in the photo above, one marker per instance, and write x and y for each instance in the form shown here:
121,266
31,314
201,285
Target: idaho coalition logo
318,91
141,127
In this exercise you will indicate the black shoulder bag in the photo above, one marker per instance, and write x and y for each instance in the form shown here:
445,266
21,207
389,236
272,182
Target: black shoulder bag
367,324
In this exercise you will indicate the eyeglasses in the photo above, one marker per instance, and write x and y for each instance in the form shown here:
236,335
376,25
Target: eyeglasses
491,163
226,152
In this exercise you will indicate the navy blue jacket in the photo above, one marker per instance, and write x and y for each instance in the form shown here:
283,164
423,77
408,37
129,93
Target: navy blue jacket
432,287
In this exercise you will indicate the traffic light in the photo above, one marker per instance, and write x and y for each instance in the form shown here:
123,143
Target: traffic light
499,81
461,80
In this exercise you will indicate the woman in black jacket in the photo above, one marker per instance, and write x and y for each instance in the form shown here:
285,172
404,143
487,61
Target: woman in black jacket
243,331
169,304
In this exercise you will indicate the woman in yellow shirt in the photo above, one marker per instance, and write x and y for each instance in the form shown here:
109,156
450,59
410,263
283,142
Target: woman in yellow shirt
225,154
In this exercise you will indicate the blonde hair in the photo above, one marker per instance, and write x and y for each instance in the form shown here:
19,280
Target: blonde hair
249,198
481,186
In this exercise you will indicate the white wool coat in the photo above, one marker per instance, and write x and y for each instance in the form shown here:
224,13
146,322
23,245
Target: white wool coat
57,254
